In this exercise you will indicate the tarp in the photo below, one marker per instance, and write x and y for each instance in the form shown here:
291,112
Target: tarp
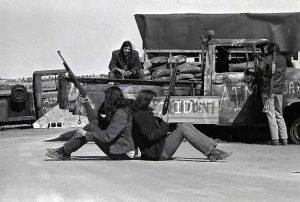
183,31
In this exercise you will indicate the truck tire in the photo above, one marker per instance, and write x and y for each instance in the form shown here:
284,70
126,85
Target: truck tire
18,93
295,131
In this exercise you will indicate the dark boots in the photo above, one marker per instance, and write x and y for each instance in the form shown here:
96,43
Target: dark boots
58,154
284,142
64,152
217,154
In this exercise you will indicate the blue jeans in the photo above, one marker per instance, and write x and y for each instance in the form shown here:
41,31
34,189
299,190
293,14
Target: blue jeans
76,142
273,110
197,139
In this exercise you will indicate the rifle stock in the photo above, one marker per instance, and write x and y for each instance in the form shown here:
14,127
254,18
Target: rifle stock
72,77
165,106
170,91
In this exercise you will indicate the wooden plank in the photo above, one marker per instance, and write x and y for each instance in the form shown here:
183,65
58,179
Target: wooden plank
192,109
171,51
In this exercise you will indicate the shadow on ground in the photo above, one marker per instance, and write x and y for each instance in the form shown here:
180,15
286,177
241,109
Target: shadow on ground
244,134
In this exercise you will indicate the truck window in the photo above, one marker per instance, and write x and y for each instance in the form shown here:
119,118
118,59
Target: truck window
234,58
49,83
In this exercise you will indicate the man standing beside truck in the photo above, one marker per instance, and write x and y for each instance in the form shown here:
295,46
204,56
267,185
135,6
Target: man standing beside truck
272,68
125,63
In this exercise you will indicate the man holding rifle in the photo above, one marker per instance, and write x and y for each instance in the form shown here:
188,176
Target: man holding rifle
115,140
272,70
125,63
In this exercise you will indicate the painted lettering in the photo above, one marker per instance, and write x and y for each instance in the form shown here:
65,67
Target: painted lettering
237,98
187,106
177,106
298,87
48,101
285,88
194,106
248,91
291,88
225,94
191,106
201,107
45,110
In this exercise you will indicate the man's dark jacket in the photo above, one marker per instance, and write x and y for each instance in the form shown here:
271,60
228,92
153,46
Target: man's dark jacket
118,134
149,134
132,63
273,84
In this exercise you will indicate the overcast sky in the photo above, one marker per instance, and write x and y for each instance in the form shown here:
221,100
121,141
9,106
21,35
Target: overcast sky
86,31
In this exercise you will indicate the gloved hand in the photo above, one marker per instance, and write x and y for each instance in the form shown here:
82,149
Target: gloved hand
80,133
127,73
121,71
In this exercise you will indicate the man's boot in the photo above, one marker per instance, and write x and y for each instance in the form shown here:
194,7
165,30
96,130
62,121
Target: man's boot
58,154
274,142
217,154
284,142
52,150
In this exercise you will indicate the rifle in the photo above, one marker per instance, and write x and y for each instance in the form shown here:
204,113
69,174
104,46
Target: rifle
171,88
271,70
72,77
271,75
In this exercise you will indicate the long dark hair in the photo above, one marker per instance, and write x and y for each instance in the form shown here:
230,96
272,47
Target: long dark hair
123,103
111,95
144,98
126,44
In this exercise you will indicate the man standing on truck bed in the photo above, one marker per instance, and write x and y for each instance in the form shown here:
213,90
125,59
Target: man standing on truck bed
273,68
125,63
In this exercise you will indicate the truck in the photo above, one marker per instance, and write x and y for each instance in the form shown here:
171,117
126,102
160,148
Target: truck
25,105
227,92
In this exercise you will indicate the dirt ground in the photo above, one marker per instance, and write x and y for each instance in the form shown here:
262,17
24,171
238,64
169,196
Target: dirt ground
254,172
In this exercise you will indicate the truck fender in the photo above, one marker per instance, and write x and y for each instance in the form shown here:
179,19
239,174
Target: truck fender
291,113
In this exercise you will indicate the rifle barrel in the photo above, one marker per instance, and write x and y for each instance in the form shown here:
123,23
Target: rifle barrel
73,77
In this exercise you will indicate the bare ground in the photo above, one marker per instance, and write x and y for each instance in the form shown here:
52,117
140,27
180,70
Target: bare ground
254,172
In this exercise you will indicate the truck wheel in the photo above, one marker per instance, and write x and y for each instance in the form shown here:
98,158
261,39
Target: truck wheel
18,93
295,131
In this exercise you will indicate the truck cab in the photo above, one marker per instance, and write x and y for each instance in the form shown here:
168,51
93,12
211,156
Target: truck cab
230,74
24,104
230,66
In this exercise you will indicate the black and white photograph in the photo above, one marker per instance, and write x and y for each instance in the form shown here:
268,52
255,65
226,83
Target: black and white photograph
158,100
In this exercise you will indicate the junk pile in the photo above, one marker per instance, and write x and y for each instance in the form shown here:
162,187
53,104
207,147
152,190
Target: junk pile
159,68
60,118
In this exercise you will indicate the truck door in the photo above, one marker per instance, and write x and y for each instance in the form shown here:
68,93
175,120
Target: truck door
231,78
45,90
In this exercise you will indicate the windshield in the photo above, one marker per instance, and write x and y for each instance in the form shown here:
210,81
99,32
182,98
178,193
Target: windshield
234,58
